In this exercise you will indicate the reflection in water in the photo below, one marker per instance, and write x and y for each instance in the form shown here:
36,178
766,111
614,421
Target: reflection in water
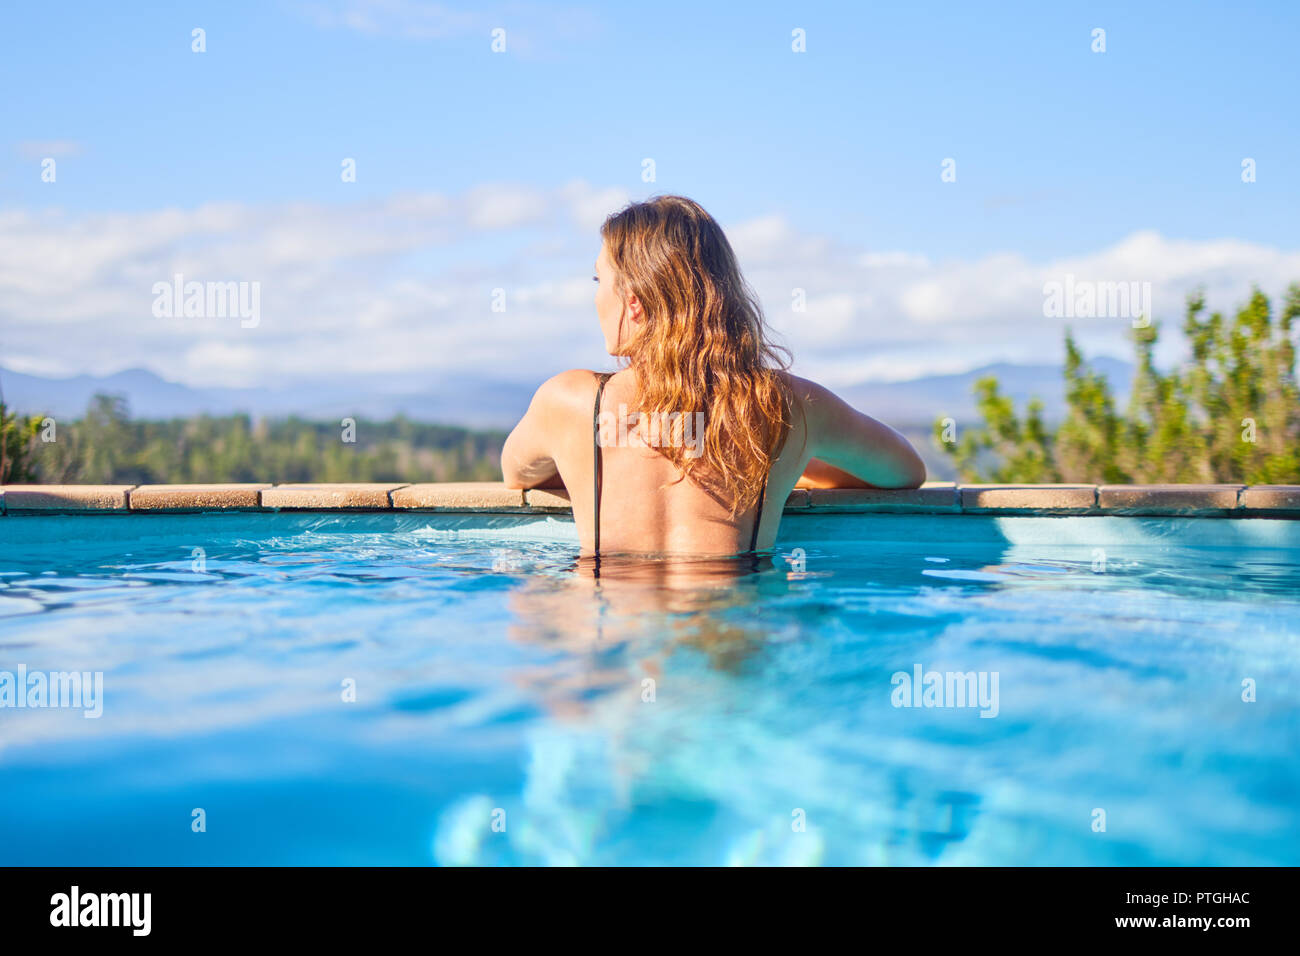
634,613
667,716
634,596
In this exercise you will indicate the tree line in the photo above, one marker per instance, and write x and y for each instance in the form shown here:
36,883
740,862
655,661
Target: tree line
107,446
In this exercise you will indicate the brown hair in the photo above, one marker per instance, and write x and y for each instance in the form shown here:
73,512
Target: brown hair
702,344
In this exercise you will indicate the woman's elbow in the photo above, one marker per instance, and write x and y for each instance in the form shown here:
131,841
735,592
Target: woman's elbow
510,475
911,471
519,477
916,476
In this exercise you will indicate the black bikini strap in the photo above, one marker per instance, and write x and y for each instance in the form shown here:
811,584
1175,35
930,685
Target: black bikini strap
603,377
758,518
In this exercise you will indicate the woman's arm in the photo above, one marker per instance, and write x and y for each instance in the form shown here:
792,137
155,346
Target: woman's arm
527,457
853,450
818,474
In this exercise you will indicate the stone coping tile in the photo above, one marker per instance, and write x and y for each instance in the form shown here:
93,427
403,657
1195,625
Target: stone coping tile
557,499
458,496
20,498
343,496
933,496
1167,499
800,500
1270,498
547,499
1054,498
224,497
489,496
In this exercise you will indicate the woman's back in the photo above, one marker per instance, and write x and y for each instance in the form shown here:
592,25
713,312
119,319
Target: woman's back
645,509
645,504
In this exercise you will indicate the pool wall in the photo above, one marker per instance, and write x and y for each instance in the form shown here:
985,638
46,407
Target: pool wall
937,498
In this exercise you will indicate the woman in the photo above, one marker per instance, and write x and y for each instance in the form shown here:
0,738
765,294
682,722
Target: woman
719,433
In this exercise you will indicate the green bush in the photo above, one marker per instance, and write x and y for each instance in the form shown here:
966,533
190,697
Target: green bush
1230,413
18,437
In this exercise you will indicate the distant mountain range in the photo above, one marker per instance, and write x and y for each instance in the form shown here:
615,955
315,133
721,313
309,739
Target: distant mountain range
471,402
922,400
483,404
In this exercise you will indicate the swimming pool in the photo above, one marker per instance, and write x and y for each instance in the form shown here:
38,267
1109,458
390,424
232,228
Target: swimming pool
508,710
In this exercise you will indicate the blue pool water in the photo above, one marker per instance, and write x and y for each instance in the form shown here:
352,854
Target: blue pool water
676,713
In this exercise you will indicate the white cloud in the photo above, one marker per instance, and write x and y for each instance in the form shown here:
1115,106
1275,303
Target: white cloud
896,314
399,289
49,149
532,29
893,260
590,205
409,18
488,207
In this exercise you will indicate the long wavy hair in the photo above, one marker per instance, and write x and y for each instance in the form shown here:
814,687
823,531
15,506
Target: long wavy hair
702,345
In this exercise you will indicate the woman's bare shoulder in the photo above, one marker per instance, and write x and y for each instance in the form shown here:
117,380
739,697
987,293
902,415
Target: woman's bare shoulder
805,390
824,412
567,389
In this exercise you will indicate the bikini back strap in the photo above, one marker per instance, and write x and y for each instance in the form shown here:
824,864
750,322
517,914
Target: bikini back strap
758,517
603,377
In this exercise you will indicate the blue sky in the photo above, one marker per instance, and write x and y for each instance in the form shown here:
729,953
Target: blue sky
1063,155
